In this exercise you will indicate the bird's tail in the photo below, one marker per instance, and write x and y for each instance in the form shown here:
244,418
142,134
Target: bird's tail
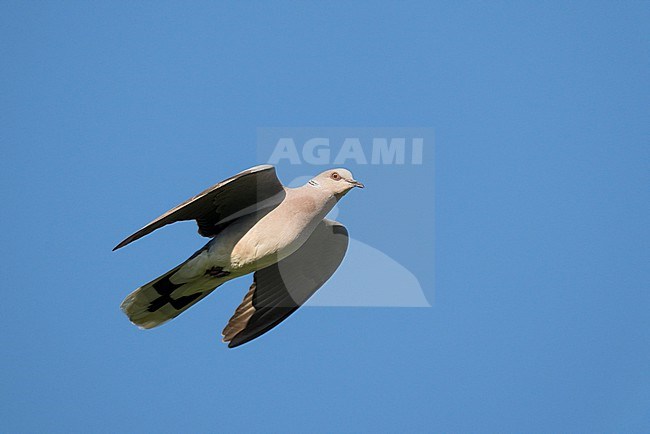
161,299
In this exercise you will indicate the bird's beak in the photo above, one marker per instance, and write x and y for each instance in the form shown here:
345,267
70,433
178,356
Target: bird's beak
356,183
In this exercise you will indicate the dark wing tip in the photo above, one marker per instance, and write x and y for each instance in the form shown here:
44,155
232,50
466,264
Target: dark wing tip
123,243
232,341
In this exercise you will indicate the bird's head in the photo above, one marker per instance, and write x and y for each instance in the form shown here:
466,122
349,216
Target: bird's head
336,181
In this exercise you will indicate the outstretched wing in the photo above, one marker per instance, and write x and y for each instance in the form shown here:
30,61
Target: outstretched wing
217,206
280,289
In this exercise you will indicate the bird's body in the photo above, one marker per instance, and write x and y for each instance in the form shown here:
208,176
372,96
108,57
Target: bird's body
254,242
262,244
250,240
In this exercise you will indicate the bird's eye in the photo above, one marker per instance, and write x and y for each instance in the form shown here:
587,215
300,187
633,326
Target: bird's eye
336,176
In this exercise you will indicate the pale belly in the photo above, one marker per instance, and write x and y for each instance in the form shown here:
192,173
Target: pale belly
248,245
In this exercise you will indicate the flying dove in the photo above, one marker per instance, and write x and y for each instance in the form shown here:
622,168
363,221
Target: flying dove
257,226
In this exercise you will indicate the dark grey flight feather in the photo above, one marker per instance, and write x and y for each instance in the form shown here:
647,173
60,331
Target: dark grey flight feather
212,207
280,289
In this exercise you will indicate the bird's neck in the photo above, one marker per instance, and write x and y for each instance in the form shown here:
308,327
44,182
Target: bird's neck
323,199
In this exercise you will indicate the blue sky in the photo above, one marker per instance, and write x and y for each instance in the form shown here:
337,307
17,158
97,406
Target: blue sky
533,250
